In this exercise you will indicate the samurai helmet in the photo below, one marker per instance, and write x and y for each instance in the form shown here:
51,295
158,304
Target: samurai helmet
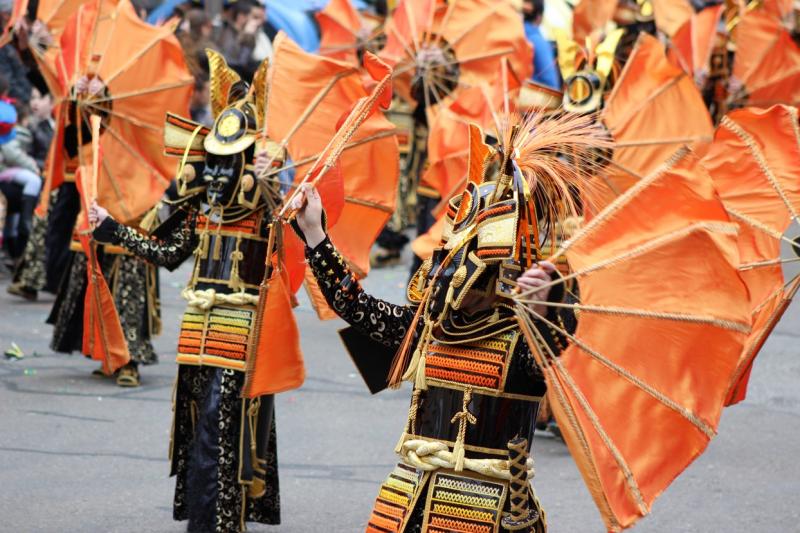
220,160
588,72
515,196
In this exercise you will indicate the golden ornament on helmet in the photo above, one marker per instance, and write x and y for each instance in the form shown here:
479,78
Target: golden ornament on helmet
229,125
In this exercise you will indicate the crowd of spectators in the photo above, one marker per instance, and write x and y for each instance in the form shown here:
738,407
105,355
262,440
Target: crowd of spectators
242,32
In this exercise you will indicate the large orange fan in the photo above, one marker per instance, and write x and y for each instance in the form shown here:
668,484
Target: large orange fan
640,115
754,163
692,44
767,61
670,15
144,74
344,31
275,361
308,96
663,316
438,48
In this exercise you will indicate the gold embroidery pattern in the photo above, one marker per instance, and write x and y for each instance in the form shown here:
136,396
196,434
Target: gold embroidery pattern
463,504
215,337
395,500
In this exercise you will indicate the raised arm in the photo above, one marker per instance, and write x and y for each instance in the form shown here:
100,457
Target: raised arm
169,251
382,321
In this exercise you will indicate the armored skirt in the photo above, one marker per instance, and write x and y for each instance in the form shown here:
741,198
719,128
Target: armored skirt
481,397
223,449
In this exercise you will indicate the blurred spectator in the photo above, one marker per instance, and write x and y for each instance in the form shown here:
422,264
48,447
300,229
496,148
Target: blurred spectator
194,34
545,70
12,68
240,31
24,136
262,47
19,182
200,104
42,125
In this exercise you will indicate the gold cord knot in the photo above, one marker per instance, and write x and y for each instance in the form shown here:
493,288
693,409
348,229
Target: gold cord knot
463,418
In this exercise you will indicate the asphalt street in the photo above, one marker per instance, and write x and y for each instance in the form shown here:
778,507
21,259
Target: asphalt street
78,454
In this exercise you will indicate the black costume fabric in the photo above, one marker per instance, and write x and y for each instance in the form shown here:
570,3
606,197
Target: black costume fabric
127,278
61,219
211,441
405,502
30,269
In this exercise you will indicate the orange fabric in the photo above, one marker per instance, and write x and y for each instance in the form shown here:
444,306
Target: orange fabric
294,259
767,60
318,301
369,168
17,12
481,34
746,188
671,14
778,8
448,145
340,26
275,361
653,109
464,163
103,338
591,16
145,76
693,43
424,245
679,256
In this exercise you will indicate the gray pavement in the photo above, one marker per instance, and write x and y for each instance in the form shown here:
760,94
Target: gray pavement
78,454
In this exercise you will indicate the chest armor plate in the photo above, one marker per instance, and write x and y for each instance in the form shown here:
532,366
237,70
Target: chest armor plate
231,254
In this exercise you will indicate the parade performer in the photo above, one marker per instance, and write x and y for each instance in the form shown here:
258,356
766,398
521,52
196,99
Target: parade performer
133,283
106,63
222,218
234,353
465,450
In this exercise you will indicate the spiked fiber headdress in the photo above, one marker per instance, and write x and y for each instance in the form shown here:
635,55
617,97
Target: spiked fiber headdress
515,198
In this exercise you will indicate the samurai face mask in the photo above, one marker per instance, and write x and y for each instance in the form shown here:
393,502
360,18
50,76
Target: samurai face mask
229,147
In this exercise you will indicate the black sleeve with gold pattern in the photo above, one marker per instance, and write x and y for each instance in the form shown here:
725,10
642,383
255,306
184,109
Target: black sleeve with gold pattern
168,252
382,321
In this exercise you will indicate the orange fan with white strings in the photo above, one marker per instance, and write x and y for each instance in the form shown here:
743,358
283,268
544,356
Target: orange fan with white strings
639,113
662,318
438,49
754,163
142,75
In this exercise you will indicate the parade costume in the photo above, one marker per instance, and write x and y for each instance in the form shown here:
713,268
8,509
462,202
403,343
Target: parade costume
222,218
134,286
102,62
234,353
465,449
